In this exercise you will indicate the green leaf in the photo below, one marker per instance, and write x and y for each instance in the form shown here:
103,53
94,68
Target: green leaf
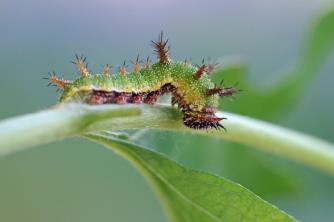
188,195
270,102
234,161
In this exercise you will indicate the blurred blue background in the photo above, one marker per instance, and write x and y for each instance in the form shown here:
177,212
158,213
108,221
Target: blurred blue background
75,180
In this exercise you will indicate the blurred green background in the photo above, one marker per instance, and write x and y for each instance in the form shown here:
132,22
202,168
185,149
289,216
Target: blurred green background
76,180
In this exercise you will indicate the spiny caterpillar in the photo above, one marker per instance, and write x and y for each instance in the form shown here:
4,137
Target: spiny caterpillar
192,90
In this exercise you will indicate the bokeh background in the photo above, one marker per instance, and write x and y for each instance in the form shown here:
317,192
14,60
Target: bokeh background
75,180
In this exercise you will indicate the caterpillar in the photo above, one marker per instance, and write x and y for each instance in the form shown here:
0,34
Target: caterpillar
192,90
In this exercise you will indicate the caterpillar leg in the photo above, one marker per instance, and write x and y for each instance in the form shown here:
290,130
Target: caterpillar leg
202,120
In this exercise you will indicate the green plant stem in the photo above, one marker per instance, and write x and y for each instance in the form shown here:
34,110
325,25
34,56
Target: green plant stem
75,119
54,124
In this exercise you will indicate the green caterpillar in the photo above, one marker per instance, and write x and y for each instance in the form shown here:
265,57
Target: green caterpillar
192,90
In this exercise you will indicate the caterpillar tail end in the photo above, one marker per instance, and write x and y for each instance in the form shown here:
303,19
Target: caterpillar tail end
202,120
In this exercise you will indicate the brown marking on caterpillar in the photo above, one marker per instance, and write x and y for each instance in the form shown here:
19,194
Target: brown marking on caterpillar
151,98
213,91
178,99
209,110
97,100
200,71
136,98
121,98
97,97
161,49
